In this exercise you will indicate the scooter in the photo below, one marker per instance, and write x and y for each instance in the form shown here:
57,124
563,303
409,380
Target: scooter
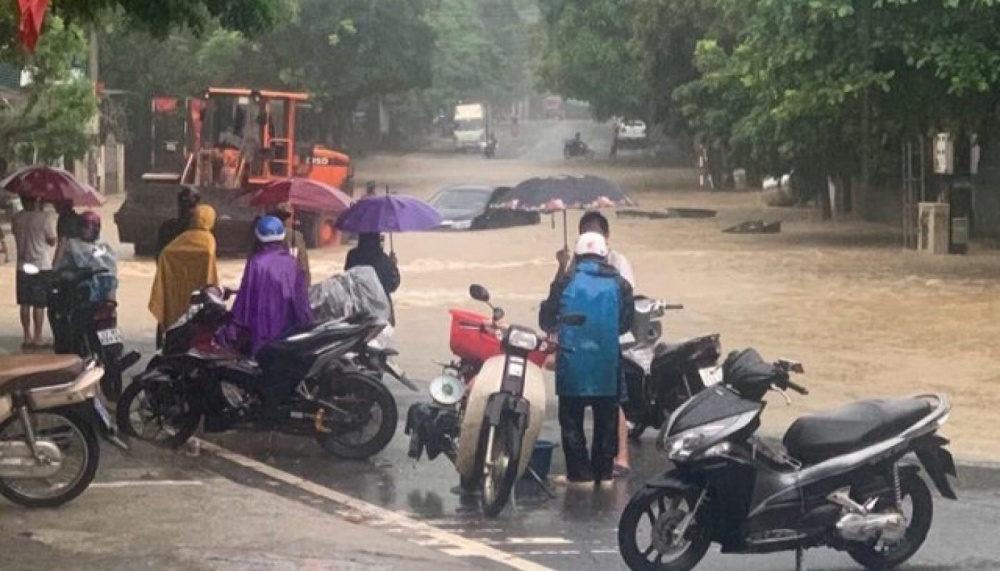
576,148
305,383
488,407
49,420
659,377
87,328
839,482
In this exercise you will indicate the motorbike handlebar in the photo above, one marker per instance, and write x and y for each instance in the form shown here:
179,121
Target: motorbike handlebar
796,387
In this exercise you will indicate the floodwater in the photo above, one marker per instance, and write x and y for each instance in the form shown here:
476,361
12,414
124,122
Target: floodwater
866,317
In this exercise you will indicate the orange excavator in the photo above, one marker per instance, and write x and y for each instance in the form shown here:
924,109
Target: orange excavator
235,141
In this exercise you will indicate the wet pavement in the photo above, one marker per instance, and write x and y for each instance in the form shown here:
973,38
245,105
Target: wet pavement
577,528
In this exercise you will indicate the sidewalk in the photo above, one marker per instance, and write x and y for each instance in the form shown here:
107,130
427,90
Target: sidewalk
159,510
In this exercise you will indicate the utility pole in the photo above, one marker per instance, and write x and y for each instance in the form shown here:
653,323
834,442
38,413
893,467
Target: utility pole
93,129
864,31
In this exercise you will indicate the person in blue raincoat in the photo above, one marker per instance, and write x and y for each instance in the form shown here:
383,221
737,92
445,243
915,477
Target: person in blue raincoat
589,356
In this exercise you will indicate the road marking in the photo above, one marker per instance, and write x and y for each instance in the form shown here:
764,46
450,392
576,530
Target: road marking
449,543
136,483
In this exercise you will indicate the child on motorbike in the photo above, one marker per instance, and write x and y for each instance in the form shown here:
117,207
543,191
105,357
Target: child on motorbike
84,251
587,366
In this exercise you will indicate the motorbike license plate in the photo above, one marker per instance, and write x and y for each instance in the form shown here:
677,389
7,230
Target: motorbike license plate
103,413
711,376
109,336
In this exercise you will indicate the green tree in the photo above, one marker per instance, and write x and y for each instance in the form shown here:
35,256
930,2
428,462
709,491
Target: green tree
160,17
588,54
47,120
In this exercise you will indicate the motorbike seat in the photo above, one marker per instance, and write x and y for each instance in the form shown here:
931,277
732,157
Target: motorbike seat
818,437
26,372
320,334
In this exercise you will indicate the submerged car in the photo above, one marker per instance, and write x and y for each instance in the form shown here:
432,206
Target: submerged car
469,208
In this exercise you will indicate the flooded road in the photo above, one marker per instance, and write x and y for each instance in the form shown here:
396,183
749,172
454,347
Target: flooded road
866,317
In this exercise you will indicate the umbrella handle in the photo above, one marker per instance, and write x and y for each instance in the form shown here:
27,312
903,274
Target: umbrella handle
392,248
565,231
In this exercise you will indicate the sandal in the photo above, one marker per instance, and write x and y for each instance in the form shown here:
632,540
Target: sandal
621,471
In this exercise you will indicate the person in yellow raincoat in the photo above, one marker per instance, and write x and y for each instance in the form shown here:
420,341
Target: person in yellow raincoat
185,265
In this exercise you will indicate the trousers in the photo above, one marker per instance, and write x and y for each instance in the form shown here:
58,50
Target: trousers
599,464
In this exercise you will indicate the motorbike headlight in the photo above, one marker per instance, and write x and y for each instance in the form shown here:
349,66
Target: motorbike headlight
682,446
521,339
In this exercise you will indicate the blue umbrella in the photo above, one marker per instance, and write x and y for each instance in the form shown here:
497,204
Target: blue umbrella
389,213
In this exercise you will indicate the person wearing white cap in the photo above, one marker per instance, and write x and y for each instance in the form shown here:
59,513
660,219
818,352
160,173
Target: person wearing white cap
587,365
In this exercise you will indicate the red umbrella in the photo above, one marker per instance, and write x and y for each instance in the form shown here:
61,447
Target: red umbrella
52,185
302,193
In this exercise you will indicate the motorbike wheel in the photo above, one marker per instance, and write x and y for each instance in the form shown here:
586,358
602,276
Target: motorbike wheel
500,469
80,455
662,509
367,398
880,556
157,412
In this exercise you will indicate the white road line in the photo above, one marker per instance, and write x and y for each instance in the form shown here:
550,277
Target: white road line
450,543
137,483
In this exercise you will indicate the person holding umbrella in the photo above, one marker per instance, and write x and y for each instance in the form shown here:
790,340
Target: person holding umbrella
370,252
587,371
373,215
594,221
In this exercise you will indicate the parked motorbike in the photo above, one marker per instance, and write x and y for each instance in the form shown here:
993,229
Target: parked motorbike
576,148
49,421
659,377
489,147
488,406
306,383
87,328
839,482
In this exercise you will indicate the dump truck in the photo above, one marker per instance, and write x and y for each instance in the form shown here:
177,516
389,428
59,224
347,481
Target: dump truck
234,141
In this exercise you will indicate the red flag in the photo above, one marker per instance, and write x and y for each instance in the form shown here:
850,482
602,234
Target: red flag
30,24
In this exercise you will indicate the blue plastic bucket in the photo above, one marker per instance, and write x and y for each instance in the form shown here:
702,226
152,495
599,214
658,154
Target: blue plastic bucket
541,458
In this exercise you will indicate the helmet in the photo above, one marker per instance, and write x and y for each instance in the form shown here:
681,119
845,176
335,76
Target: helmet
90,226
270,229
591,244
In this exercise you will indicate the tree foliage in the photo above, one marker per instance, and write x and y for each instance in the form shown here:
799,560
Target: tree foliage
589,54
160,17
47,121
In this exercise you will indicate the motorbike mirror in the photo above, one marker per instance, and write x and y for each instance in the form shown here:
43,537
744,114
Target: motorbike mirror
573,319
498,314
30,269
479,293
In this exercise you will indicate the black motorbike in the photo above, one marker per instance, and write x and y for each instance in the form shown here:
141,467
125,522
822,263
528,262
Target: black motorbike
839,482
659,377
306,383
576,148
88,328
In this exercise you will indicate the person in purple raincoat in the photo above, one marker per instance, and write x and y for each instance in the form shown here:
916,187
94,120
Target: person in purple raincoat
273,297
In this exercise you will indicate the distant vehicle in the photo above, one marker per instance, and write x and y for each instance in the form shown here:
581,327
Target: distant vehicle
554,108
470,126
468,208
632,133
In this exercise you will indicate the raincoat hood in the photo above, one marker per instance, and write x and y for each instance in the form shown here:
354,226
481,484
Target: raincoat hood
203,218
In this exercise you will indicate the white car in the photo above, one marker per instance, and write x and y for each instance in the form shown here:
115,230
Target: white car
632,131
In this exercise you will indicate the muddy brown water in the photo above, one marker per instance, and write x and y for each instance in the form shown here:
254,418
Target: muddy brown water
865,316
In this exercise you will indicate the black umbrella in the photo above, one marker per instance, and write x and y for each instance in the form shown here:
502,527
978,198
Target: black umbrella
563,193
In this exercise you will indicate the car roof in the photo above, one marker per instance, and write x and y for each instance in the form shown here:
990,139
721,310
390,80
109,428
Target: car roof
468,188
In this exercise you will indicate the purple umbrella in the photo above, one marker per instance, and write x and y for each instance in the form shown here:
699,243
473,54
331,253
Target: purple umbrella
389,213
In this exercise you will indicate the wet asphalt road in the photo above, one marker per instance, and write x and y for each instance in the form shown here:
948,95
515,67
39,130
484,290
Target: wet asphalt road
577,528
